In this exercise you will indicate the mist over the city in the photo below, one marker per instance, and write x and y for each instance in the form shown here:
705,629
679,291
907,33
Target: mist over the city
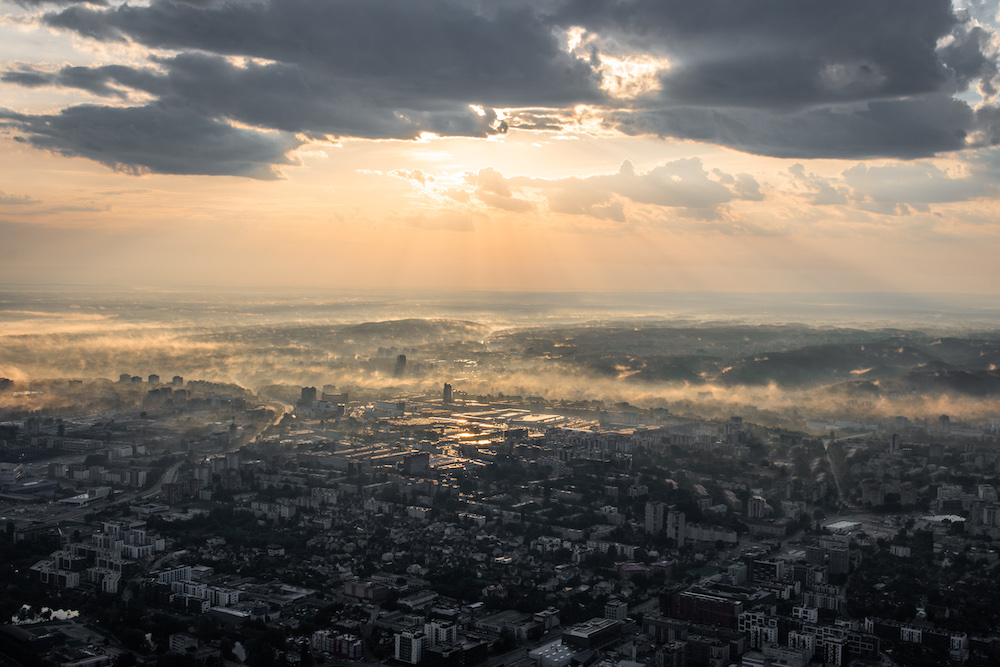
865,357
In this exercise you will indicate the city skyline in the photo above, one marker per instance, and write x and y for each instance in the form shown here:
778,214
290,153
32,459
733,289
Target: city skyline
540,146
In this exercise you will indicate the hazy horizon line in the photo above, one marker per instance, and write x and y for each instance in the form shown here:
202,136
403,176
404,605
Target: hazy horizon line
453,290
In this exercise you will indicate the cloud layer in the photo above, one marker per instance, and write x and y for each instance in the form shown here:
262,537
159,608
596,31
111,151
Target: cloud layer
788,78
684,186
157,139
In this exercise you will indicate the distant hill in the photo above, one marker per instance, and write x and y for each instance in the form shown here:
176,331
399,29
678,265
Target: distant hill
789,356
411,331
827,363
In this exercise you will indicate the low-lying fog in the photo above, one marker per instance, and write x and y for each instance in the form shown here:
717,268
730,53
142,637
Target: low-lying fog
795,355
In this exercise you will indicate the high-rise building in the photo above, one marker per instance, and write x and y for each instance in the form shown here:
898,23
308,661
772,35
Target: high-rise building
308,396
447,396
400,366
671,654
654,516
440,633
410,646
675,526
757,508
154,379
178,381
616,610
734,430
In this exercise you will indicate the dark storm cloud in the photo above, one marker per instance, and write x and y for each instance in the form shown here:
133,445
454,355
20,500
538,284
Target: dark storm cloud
297,99
371,69
441,50
274,95
92,80
38,3
155,139
900,128
801,79
790,53
788,78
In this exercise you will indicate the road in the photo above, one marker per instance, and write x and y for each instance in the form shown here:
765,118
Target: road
826,448
509,659
76,513
168,476
281,409
7,661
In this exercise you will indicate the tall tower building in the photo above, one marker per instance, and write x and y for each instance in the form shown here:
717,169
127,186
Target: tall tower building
447,396
440,633
400,366
410,646
675,526
616,610
654,516
756,508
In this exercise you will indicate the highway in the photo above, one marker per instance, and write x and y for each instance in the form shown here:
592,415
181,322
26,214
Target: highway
168,476
59,515
833,470
7,661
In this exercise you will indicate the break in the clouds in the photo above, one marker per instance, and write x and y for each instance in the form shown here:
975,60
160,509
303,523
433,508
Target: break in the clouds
788,78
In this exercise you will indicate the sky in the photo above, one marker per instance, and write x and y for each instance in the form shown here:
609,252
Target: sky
718,145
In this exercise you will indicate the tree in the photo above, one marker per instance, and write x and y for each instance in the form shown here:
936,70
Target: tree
262,655
226,647
132,638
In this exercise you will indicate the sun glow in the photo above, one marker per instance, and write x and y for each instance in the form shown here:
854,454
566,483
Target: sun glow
632,77
624,75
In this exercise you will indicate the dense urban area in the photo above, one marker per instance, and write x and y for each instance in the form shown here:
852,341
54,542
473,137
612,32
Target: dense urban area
170,521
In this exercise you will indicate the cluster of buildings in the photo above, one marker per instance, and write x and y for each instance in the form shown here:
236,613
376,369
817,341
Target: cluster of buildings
109,558
637,539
